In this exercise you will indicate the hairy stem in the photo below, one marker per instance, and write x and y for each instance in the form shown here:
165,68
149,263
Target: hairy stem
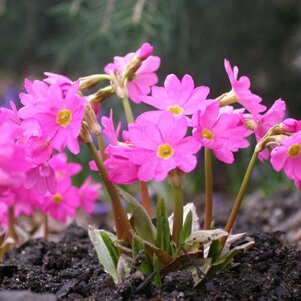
240,196
123,226
208,185
177,212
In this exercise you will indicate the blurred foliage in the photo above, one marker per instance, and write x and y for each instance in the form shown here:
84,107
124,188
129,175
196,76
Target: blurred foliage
78,37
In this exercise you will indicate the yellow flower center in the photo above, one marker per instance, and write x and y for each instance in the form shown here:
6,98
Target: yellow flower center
294,150
206,134
57,198
64,117
176,110
165,151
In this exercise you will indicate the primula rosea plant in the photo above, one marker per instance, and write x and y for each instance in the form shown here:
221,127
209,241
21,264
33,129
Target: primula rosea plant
160,144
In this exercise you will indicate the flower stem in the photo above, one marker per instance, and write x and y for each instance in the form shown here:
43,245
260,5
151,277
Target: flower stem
46,226
240,196
128,110
101,146
208,185
123,226
146,201
11,231
178,212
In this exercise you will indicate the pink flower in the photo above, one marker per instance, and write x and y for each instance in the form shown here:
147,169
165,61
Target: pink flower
57,79
63,168
159,148
63,203
179,97
287,156
59,116
89,194
222,132
120,169
41,177
266,121
241,90
145,76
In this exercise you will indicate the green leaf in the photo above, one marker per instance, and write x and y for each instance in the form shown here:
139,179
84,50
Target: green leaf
114,252
157,278
142,222
137,246
187,227
163,257
163,234
225,262
103,252
215,249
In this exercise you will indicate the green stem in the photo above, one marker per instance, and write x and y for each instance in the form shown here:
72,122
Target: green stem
209,189
128,110
240,196
123,226
178,212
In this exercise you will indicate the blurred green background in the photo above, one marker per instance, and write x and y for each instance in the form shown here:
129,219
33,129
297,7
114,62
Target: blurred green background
79,37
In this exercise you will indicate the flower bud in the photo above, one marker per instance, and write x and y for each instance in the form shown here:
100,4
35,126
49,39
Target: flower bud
176,177
88,82
84,135
145,51
92,121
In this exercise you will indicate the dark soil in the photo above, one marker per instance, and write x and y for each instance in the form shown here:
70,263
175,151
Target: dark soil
69,270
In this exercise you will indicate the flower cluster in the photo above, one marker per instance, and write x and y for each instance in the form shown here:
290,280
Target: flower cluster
34,172
162,143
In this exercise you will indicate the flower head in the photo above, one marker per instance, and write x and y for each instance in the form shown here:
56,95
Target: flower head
287,156
178,97
222,132
58,114
143,78
162,147
241,91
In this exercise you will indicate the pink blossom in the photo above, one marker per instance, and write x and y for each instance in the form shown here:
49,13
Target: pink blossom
41,177
266,121
241,90
63,168
88,194
63,203
179,97
223,133
59,116
159,148
120,169
287,156
57,79
145,76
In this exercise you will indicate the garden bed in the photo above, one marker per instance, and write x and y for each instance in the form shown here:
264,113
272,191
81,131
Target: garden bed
69,270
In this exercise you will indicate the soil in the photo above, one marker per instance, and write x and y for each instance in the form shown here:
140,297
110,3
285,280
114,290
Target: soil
69,270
